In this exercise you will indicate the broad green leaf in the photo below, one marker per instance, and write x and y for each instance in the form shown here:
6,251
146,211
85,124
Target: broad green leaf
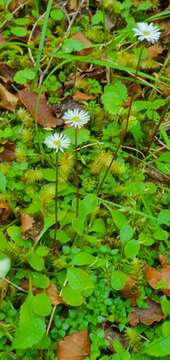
42,304
126,233
57,14
23,76
19,31
72,296
159,347
118,280
164,217
2,182
131,249
31,327
98,18
119,219
165,305
83,135
14,233
83,258
62,236
166,328
80,280
40,280
42,250
3,241
98,227
114,96
5,265
36,262
70,45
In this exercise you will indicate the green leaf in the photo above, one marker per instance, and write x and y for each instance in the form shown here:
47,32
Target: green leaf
62,236
166,328
19,31
23,76
5,265
40,280
22,21
36,262
14,233
3,241
126,233
131,249
42,304
83,135
72,296
57,14
98,227
2,182
159,347
119,219
118,280
98,18
83,258
164,217
71,45
165,305
31,327
114,96
42,250
80,280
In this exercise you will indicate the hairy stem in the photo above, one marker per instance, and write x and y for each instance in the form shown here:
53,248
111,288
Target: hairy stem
56,196
77,175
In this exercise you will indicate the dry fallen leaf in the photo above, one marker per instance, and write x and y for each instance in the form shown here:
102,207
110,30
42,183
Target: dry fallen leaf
53,294
130,291
8,101
6,73
74,346
156,278
1,39
45,115
73,4
154,51
30,226
111,335
80,96
5,212
146,316
8,153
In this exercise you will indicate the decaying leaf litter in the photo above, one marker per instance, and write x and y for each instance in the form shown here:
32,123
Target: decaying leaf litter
84,180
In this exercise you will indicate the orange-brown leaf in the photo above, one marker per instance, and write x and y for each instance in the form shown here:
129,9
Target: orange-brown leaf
44,116
5,212
8,153
146,316
74,346
130,291
53,294
154,51
30,226
154,277
80,96
8,100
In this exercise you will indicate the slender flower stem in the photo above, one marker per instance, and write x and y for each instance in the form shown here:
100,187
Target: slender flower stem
56,196
76,172
156,129
126,126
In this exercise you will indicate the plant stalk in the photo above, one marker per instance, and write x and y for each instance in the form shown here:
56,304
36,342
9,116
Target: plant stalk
56,196
76,172
126,126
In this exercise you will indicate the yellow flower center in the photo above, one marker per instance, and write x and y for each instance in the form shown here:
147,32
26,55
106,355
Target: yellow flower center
76,119
57,143
146,33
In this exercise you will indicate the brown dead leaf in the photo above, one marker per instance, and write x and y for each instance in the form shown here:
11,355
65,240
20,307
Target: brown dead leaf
74,346
155,277
3,289
154,51
80,96
146,316
8,101
166,26
25,286
45,116
111,335
5,212
31,226
53,294
163,259
6,73
73,4
130,291
8,153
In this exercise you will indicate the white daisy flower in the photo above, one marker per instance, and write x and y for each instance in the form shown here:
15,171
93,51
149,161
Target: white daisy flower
5,264
57,141
76,118
148,32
